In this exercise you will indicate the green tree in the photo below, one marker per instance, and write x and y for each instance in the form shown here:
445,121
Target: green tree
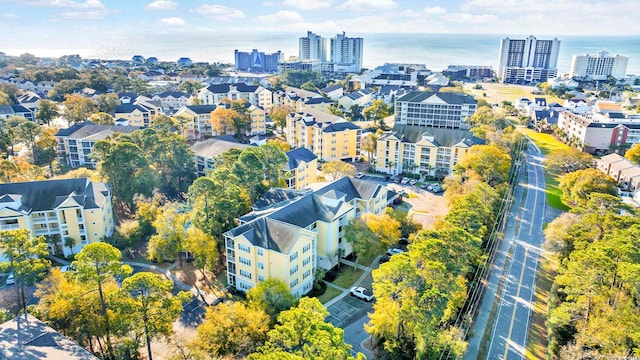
77,108
303,331
96,263
376,112
46,148
153,305
8,169
232,329
279,115
578,185
170,236
371,234
125,167
564,161
203,247
272,296
101,118
190,86
28,133
491,162
337,169
25,259
296,78
47,111
107,103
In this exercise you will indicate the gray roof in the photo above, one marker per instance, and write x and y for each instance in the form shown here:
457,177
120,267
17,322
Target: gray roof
283,213
331,88
448,97
298,156
88,129
39,342
202,109
213,147
340,126
48,194
442,136
129,108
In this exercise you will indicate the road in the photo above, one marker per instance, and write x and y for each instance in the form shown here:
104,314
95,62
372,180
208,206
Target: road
509,335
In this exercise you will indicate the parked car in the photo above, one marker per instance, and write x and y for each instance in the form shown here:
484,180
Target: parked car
413,182
425,185
361,293
436,188
403,241
387,178
397,180
384,258
404,181
10,280
360,175
64,268
394,251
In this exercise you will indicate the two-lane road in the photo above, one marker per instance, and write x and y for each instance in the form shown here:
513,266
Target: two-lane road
509,335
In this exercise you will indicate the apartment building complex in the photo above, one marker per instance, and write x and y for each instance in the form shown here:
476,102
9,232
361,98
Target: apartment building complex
296,233
328,136
79,209
528,60
425,151
302,168
75,143
598,66
312,47
340,54
445,110
257,61
254,94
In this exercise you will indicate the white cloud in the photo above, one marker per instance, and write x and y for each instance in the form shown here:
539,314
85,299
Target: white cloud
284,16
435,10
373,5
8,16
220,12
162,5
308,4
470,18
173,21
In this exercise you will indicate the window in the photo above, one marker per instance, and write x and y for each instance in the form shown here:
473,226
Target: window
260,278
293,270
245,261
260,266
293,256
306,248
306,274
306,261
293,283
244,248
245,273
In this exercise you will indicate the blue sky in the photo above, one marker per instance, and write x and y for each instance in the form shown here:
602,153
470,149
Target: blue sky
69,24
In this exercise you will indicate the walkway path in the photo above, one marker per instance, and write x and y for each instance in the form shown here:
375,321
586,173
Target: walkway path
345,292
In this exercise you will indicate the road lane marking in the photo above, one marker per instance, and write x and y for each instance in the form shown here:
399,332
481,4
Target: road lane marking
515,304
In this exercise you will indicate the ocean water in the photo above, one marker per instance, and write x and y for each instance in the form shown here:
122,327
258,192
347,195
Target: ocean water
437,51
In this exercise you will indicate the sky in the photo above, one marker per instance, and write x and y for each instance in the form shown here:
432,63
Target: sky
82,24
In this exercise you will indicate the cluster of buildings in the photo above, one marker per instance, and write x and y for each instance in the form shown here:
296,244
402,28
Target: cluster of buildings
532,60
339,54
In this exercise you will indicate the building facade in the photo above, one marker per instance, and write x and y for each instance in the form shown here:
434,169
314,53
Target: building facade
598,66
254,94
301,168
206,151
75,143
346,53
257,61
431,152
328,136
615,135
296,234
528,60
79,209
199,123
446,110
312,47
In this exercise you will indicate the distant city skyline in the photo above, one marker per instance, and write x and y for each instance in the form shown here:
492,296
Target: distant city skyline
83,24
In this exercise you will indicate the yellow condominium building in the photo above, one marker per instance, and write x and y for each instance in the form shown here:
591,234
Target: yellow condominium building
421,150
79,209
292,233
328,136
138,114
302,168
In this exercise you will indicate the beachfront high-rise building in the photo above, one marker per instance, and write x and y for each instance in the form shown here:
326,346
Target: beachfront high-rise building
346,53
312,47
528,60
598,66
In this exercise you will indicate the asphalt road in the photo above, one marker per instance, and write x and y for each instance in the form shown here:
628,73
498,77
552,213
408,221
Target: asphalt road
509,336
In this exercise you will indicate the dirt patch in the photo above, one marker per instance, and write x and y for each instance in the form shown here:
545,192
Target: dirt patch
425,207
204,280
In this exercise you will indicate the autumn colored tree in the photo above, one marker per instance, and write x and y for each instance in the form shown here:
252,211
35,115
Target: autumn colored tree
279,115
337,169
77,108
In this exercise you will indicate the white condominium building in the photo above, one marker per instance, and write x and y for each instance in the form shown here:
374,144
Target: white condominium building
528,60
598,66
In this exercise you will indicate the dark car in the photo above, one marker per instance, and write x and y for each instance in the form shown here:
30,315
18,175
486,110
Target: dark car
403,241
387,178
384,258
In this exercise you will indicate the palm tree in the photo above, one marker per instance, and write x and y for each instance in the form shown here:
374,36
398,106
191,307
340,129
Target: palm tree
70,243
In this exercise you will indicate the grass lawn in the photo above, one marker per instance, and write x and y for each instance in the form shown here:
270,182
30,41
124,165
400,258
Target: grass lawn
329,294
547,143
537,339
497,92
347,277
